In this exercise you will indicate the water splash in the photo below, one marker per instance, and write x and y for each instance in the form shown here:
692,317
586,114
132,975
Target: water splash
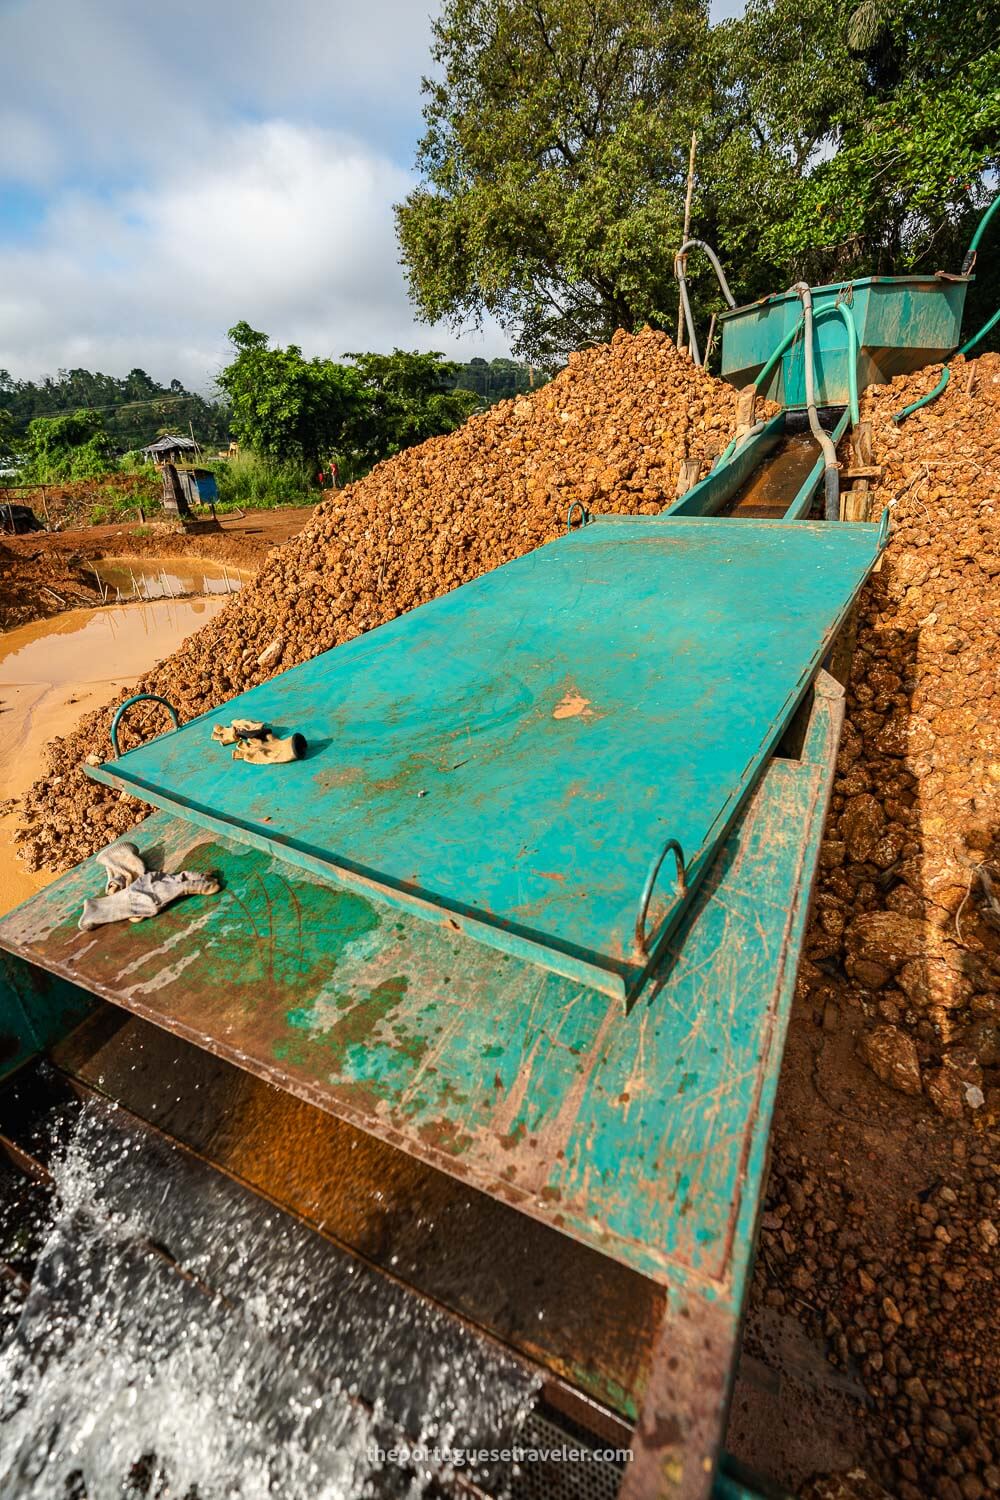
181,1338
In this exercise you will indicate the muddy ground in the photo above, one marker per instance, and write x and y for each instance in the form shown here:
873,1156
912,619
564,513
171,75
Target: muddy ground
43,573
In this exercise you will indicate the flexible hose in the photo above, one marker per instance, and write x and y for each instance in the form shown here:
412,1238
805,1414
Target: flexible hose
970,254
680,264
680,260
904,412
967,265
842,311
689,321
831,475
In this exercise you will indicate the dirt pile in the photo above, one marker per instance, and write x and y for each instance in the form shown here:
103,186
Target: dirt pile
882,1231
610,431
912,848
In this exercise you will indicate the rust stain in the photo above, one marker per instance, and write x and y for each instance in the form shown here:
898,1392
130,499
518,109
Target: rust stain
573,705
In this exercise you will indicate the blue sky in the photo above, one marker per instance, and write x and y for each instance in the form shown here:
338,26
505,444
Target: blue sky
166,172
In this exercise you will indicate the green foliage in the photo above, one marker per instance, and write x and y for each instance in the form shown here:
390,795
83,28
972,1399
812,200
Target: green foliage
71,447
285,407
133,407
498,379
409,397
907,143
251,483
835,138
553,165
110,502
295,414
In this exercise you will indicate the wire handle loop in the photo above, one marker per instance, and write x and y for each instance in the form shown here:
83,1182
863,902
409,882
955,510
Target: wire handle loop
670,847
139,698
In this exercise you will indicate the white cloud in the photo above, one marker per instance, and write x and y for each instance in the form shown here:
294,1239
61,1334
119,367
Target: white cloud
285,225
116,85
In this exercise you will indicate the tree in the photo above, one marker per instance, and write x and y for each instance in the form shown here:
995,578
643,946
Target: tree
70,447
285,407
836,138
133,407
553,165
908,143
410,397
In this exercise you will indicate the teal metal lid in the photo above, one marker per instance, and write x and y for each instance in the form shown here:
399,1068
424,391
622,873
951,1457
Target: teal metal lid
547,757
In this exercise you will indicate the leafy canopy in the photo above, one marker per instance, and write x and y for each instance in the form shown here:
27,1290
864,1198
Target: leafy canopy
70,447
410,397
283,406
288,409
553,164
835,138
134,406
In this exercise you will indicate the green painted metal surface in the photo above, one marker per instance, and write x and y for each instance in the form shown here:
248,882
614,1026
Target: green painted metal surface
903,323
642,1136
36,1010
510,759
711,494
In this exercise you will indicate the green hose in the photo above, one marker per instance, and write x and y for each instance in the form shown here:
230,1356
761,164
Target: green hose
905,411
841,310
967,265
970,254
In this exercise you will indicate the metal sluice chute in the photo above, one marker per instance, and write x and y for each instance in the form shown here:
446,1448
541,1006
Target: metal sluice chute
494,993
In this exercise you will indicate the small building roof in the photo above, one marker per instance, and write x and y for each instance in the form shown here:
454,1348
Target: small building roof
175,443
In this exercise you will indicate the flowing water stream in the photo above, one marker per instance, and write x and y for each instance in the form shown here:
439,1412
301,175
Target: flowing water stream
170,1334
182,1338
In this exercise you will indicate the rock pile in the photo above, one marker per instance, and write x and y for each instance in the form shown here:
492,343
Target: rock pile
912,1316
610,431
882,1238
906,910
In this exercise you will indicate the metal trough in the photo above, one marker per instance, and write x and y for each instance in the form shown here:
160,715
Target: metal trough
902,324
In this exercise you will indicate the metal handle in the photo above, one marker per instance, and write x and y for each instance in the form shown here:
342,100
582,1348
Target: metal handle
139,698
670,847
584,515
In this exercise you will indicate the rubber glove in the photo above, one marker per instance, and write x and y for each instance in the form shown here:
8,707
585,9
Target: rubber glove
270,751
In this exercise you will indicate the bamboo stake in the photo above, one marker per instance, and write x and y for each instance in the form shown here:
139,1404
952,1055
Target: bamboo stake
681,336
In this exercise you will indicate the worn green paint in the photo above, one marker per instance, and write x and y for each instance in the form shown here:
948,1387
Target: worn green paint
36,1009
643,1136
513,756
711,494
627,1132
903,323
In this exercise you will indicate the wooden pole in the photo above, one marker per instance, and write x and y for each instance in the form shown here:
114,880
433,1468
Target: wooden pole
681,333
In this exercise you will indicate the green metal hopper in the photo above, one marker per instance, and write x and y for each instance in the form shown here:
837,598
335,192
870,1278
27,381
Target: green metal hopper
902,324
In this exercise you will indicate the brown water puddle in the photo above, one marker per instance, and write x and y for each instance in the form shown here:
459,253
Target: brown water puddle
131,578
53,671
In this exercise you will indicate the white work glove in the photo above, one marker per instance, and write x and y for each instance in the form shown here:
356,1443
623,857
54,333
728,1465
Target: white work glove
122,864
239,729
145,897
270,751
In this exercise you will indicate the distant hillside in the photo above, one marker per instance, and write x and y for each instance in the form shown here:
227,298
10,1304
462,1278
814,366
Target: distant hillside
135,409
499,379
